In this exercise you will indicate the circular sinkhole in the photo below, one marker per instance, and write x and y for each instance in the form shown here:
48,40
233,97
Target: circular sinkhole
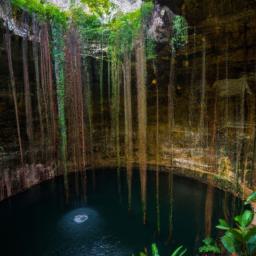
100,223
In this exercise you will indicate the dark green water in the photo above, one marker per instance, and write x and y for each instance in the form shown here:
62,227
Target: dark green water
40,222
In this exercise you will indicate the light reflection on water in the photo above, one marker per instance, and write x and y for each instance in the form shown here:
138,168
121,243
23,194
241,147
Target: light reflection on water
79,219
88,231
67,226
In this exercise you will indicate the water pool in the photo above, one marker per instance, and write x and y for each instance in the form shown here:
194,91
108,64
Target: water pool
95,219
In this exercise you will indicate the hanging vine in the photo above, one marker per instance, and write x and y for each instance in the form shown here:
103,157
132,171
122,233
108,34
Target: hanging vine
48,92
14,94
128,123
142,118
38,83
75,105
59,59
27,93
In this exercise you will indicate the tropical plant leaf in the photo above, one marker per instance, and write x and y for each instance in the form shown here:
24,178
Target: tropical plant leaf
251,245
238,219
209,246
223,225
180,251
251,198
246,218
250,233
238,234
154,250
228,242
209,249
208,241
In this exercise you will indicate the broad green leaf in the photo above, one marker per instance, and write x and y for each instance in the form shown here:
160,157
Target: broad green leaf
238,234
228,242
247,218
250,233
223,225
180,251
251,198
154,250
252,245
238,219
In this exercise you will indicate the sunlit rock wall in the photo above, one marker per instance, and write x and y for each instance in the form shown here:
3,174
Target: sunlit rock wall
213,137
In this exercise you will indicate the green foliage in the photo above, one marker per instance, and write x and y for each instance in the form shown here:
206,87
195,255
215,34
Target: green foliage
154,250
180,251
251,198
150,49
245,219
30,6
240,239
44,11
89,26
180,32
55,14
209,246
98,7
59,58
223,225
120,34
124,29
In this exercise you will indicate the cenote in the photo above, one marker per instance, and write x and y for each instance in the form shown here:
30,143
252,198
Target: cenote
41,221
128,127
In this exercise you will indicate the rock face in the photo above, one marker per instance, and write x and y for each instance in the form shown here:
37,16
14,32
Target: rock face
232,87
160,26
20,179
14,26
